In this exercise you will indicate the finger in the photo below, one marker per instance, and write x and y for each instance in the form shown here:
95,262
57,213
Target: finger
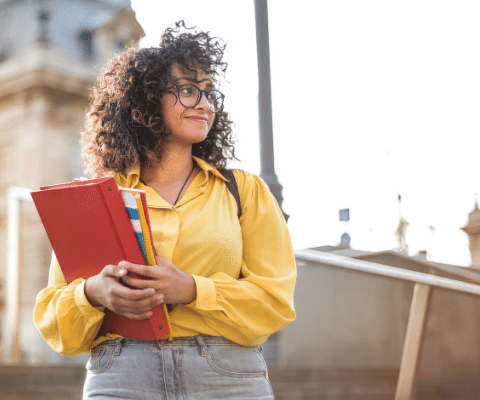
144,304
126,293
131,310
140,283
117,271
140,316
163,261
137,308
144,270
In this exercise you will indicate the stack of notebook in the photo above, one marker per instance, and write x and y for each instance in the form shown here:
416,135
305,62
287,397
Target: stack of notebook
93,223
136,205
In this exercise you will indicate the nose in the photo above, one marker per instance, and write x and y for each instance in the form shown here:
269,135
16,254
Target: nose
203,103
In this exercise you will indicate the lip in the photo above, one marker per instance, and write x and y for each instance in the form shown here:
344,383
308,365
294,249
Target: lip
198,119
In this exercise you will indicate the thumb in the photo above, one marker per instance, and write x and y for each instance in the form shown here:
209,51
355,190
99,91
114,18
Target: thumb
118,271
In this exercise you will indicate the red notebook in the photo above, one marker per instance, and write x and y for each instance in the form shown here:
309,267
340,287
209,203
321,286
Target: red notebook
88,227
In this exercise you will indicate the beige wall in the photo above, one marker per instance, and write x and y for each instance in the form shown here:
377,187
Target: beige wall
345,319
348,319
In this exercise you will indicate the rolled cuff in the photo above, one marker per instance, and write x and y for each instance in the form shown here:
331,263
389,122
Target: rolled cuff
206,298
84,306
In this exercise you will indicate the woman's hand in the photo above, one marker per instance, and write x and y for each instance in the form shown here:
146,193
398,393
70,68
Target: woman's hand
105,289
176,286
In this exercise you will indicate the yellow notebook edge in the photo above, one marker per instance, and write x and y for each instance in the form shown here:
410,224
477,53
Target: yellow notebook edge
147,239
148,242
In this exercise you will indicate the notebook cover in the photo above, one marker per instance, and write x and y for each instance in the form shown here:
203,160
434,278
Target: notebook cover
88,227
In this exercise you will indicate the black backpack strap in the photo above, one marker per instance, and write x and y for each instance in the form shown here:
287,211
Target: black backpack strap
233,188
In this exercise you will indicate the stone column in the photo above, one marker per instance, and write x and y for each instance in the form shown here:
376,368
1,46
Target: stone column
473,231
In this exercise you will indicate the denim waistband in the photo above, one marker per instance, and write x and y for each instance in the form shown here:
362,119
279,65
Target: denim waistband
200,340
200,366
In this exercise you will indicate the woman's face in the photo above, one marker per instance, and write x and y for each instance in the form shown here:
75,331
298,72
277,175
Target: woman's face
187,125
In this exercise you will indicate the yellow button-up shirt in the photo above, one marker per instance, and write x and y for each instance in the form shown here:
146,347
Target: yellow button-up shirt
244,269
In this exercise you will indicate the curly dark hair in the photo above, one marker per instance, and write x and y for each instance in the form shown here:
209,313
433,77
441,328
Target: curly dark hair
124,125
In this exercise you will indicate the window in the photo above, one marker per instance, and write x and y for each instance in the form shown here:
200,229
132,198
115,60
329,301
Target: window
85,38
121,45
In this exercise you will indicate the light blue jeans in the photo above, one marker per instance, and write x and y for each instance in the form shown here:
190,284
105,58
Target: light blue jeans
194,368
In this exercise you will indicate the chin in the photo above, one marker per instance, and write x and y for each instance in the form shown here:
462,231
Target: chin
198,138
188,138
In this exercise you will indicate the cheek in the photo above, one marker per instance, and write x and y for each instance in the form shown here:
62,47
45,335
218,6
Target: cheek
171,101
169,106
211,121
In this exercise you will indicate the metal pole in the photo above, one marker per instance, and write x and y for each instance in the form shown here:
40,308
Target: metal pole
267,169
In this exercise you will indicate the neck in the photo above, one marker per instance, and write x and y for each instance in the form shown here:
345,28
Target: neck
174,166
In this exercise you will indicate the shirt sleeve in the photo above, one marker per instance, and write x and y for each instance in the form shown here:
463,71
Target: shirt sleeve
249,309
63,315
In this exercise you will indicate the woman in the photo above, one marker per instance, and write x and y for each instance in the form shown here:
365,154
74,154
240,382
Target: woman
156,123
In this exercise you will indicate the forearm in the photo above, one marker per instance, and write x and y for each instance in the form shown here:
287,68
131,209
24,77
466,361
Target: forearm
253,307
91,292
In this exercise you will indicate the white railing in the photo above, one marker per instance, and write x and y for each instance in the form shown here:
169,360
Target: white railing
11,323
418,309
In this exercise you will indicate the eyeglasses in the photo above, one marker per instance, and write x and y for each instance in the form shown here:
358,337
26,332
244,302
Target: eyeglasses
190,95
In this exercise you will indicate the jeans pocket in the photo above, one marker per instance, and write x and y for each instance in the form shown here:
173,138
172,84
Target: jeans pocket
236,361
101,358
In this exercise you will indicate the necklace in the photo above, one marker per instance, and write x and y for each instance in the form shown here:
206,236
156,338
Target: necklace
184,183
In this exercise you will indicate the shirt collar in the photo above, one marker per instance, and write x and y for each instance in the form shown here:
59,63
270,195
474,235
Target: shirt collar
207,168
131,177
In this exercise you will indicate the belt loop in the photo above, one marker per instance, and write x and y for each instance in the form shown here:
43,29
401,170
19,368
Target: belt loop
202,344
118,347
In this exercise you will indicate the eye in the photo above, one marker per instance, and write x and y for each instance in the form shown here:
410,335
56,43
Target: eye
212,96
188,90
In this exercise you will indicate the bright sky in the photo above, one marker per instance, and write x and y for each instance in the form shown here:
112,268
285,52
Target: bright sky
371,99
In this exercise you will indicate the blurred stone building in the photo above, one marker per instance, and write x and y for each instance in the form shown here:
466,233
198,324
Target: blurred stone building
50,54
472,229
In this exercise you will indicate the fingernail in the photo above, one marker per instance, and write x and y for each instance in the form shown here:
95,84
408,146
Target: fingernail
122,271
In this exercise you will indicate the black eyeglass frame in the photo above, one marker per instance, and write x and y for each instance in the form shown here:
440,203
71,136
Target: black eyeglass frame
201,92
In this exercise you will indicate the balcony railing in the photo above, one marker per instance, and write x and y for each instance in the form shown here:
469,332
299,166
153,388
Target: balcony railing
418,309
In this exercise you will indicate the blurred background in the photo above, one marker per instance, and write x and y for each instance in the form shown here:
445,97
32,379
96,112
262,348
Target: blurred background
370,100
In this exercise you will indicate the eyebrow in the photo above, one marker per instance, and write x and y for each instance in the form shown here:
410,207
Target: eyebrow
193,80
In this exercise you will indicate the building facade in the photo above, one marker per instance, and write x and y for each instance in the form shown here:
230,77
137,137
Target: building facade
51,52
472,229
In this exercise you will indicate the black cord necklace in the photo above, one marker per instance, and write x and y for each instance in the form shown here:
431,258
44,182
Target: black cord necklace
184,183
